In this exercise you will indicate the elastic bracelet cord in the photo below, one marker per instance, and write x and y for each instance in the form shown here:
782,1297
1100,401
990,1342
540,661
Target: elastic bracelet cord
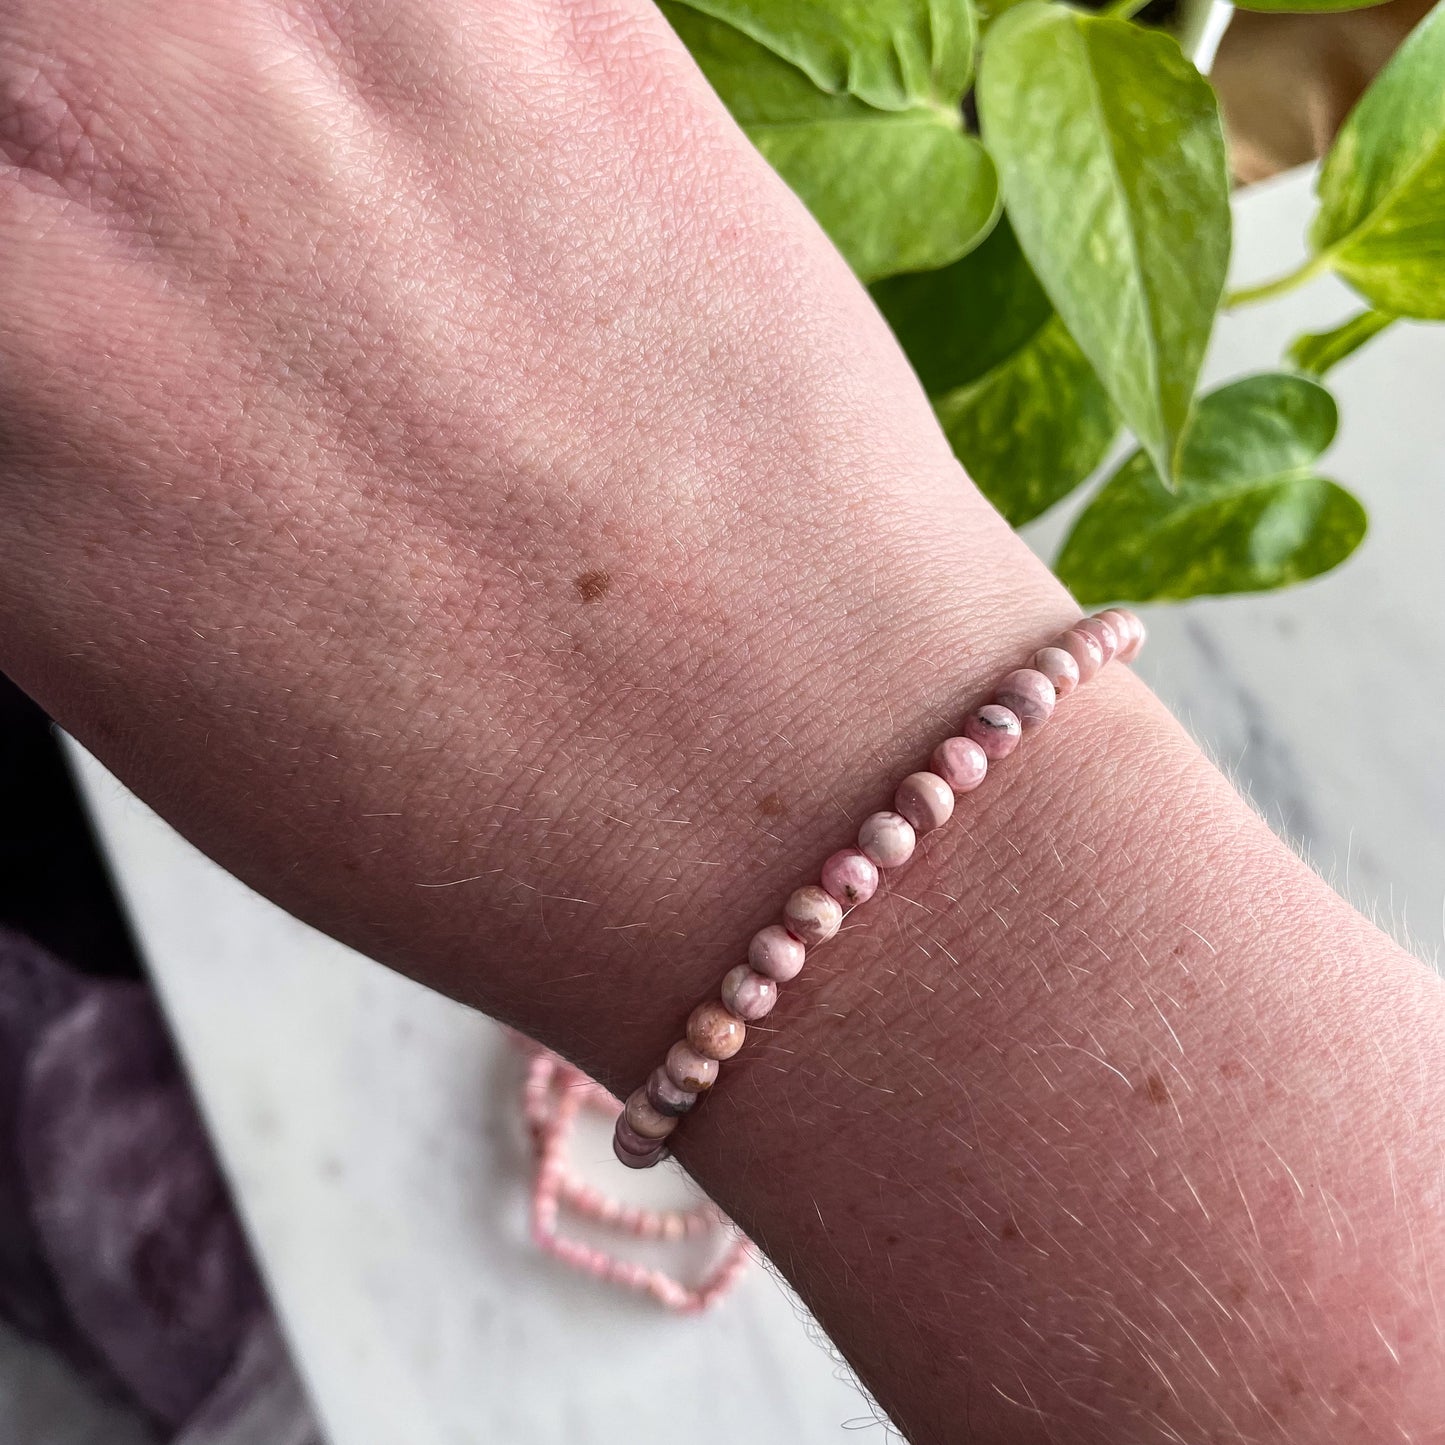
1022,702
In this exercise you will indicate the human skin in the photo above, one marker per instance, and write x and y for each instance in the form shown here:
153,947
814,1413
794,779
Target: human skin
448,475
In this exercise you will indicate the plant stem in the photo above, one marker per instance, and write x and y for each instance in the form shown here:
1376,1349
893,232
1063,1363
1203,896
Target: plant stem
1268,290
1123,9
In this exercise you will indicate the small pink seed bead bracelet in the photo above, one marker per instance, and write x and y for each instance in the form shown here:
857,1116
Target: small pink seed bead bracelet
1023,701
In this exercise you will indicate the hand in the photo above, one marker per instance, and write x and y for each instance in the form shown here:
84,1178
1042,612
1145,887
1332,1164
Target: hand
436,428
447,473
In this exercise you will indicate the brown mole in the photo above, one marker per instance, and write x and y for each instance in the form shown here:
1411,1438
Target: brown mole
593,586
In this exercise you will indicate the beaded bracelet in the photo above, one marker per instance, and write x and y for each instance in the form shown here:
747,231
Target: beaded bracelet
1023,701
554,1094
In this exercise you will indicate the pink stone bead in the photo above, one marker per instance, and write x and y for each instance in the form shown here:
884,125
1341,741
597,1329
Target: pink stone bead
961,763
775,952
749,995
813,915
851,877
635,1161
667,1096
925,800
1059,667
887,839
1129,630
644,1119
632,1149
1085,649
689,1069
1029,695
995,728
714,1032
1140,637
1097,628
631,1140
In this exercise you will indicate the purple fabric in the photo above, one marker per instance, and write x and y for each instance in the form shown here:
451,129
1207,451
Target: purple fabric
259,1402
130,1208
35,991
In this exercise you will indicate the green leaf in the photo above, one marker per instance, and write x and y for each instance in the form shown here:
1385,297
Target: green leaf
1317,352
1250,514
858,108
893,196
1029,431
1020,404
958,322
989,10
1382,188
891,54
1312,7
1109,147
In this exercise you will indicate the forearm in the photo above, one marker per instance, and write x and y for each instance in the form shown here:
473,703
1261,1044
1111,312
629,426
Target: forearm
1107,1114
509,539
1112,1123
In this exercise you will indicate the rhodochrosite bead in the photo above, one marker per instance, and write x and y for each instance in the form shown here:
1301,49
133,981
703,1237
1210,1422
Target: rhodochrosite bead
1024,699
1085,649
645,1119
666,1096
1097,628
689,1069
632,1148
714,1032
775,952
1029,695
624,1155
995,728
961,763
748,994
1128,629
812,914
887,839
925,800
1060,669
851,877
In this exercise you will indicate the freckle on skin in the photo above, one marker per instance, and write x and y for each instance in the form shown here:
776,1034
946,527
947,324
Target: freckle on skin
1008,1230
593,586
770,805
1156,1089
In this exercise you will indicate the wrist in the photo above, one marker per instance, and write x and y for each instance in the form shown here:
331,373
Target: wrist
1062,1105
786,750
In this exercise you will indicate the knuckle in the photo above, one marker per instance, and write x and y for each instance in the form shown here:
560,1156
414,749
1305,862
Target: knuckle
94,92
46,129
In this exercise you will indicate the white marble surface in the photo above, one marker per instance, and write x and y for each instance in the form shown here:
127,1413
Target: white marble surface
367,1124
1327,702
371,1133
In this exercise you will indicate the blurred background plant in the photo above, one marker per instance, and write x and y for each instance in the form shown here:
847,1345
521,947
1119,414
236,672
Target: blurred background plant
1038,197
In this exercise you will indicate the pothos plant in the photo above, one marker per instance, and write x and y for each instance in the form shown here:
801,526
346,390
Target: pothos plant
1038,199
